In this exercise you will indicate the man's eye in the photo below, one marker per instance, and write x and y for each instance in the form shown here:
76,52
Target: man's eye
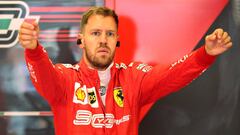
96,33
110,34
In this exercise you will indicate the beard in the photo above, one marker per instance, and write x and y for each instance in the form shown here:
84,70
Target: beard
101,61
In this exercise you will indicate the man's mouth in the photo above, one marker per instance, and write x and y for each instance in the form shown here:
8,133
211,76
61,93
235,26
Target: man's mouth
103,51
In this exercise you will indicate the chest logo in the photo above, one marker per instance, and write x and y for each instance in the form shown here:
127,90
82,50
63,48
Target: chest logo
83,95
118,96
80,94
92,97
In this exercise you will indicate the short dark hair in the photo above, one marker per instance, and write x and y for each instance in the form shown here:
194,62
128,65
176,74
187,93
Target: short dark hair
104,11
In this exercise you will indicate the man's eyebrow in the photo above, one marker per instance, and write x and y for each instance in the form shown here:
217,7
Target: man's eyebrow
95,30
111,31
102,30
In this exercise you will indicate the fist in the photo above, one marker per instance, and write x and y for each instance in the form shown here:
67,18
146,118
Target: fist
217,42
28,35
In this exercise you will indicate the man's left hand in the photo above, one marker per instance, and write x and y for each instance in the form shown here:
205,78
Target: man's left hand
217,42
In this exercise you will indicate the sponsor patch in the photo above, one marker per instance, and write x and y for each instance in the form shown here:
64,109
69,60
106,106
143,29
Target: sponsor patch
147,68
85,117
92,97
84,95
102,90
144,67
122,65
80,94
75,67
140,66
118,96
131,64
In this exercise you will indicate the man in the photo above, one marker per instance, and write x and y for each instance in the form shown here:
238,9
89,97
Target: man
97,96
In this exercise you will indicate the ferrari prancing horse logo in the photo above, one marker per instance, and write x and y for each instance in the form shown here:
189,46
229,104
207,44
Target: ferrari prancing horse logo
118,96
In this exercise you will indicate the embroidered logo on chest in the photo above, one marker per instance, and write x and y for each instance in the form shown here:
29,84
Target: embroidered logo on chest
80,93
118,96
83,95
92,97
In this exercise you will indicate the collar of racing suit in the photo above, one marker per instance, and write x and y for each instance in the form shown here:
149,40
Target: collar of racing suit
93,73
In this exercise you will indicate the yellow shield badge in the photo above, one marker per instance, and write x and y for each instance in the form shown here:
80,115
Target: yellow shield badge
118,96
80,94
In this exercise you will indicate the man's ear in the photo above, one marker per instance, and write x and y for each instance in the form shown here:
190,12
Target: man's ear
80,40
118,42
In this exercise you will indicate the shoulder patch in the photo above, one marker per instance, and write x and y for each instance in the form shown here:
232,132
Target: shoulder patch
122,65
75,67
131,64
144,67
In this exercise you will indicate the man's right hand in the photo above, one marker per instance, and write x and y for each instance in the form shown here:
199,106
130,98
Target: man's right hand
28,35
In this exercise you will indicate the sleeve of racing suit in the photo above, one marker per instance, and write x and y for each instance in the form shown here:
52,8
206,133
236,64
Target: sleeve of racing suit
47,78
156,84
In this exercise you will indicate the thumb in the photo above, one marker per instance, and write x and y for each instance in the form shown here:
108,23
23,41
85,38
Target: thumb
211,37
35,24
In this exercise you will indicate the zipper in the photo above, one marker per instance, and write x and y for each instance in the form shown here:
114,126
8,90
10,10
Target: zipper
110,86
101,102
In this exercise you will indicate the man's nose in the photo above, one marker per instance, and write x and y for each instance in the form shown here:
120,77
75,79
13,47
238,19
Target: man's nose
103,38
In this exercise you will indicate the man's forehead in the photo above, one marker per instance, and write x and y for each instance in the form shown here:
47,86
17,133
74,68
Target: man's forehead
101,22
99,16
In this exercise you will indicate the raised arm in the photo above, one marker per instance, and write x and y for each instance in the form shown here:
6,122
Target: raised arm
47,78
156,84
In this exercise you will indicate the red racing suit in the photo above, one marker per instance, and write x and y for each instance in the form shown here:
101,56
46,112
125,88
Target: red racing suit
73,91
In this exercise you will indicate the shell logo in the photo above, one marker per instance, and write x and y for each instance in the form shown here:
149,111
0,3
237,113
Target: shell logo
80,94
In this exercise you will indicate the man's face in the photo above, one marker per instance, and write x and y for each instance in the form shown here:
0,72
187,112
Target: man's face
99,41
